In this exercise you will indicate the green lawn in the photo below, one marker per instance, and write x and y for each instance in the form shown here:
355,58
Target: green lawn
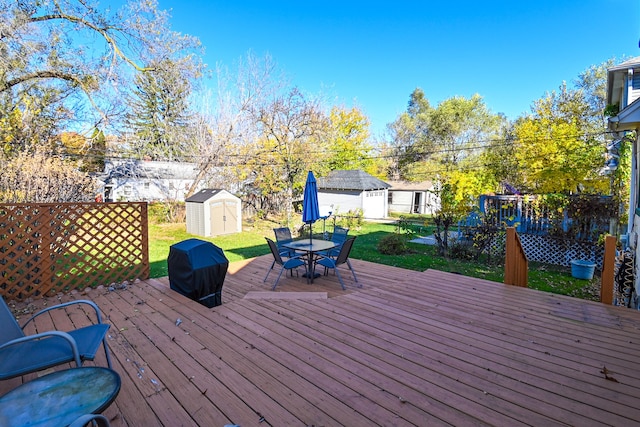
251,243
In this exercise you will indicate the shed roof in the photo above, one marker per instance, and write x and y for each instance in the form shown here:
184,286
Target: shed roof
351,180
203,195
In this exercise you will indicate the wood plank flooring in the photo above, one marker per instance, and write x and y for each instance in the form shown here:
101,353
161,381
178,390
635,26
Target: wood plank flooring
406,348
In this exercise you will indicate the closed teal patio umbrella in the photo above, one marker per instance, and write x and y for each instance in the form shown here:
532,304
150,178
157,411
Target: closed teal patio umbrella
310,207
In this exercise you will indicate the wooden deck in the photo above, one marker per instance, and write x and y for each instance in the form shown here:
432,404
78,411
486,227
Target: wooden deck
408,348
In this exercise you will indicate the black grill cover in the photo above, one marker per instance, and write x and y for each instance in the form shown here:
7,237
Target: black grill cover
197,270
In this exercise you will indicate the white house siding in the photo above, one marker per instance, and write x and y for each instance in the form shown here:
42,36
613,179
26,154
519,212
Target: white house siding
372,202
632,234
138,180
413,197
341,201
633,85
431,203
623,89
401,201
135,189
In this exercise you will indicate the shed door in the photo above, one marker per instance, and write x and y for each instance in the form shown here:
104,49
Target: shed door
223,217
231,215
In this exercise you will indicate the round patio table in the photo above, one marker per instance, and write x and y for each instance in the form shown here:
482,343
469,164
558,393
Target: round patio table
59,398
311,247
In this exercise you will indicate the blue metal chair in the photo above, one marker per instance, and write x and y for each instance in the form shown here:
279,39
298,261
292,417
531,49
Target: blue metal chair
342,258
91,420
339,236
22,354
283,236
289,264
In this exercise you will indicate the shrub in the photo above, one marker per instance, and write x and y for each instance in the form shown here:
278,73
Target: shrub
352,219
168,212
462,251
40,177
393,244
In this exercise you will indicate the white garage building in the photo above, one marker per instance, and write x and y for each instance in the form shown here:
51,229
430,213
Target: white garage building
349,190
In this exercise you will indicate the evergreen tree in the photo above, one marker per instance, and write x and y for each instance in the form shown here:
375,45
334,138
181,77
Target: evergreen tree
159,116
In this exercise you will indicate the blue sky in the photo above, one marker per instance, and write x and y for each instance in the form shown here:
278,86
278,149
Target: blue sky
373,54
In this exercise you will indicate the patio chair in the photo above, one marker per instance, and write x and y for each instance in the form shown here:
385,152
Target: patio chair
289,264
339,236
22,354
342,258
283,236
92,420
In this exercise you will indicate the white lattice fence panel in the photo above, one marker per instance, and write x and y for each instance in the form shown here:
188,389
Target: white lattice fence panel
559,251
552,250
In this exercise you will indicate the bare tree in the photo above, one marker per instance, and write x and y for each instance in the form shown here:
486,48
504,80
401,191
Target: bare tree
225,122
291,128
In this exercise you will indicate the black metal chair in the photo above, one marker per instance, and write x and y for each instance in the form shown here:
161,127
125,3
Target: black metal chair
343,258
289,264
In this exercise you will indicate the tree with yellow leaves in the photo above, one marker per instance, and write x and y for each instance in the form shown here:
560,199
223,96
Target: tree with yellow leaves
557,148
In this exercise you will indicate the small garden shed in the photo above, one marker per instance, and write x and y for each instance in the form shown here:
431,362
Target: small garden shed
212,212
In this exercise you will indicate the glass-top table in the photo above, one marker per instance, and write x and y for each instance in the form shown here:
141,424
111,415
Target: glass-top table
59,398
311,247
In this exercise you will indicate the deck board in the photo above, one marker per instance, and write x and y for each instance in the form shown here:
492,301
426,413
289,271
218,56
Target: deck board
406,348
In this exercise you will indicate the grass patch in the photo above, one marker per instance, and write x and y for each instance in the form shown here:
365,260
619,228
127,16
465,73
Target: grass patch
251,243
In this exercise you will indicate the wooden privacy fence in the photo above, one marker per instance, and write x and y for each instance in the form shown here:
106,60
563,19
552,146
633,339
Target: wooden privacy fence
51,248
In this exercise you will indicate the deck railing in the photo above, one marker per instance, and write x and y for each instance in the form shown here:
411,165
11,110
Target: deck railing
51,248
516,268
533,218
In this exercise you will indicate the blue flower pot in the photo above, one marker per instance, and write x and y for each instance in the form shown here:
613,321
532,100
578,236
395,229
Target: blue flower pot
582,269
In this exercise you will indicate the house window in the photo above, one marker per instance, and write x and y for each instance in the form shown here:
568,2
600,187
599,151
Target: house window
635,80
127,190
147,185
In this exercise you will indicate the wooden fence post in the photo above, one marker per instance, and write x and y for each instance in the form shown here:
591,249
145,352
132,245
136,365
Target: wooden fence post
509,259
608,266
516,266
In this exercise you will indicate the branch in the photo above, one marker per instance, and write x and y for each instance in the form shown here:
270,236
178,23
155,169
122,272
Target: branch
40,75
104,32
47,74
